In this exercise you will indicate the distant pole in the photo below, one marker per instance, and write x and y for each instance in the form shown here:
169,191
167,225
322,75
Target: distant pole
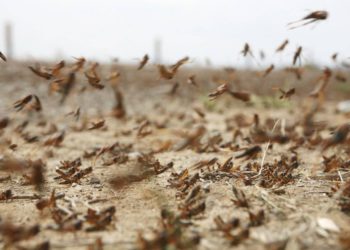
8,41
158,51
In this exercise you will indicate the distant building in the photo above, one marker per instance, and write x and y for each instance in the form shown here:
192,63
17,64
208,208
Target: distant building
8,41
157,51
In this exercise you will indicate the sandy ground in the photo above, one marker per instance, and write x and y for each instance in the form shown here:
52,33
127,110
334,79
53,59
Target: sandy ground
293,212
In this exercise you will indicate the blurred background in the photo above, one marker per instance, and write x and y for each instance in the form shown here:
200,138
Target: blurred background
210,32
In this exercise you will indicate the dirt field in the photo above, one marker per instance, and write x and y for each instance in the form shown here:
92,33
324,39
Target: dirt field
130,188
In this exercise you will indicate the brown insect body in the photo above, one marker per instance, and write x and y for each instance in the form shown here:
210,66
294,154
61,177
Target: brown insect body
310,18
282,46
143,62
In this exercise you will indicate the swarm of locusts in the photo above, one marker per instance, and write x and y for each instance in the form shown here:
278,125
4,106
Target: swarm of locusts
174,156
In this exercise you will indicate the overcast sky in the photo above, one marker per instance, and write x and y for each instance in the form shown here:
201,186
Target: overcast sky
217,30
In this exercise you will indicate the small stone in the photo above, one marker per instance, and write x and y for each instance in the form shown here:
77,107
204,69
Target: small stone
327,224
94,180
